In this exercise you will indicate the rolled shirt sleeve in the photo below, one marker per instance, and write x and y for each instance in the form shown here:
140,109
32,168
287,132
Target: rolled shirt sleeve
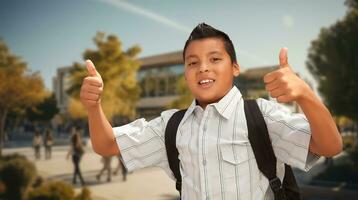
290,134
141,143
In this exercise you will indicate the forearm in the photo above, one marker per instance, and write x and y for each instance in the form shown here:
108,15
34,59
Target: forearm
101,132
325,139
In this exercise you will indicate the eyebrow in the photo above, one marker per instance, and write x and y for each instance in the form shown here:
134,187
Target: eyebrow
210,53
215,52
190,56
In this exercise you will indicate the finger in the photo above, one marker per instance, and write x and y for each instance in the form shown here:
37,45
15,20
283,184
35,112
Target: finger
95,81
93,89
277,92
269,77
91,68
90,96
283,99
272,85
283,57
89,102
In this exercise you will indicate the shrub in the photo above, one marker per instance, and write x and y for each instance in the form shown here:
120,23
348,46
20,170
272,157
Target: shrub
52,191
84,195
19,180
16,174
58,190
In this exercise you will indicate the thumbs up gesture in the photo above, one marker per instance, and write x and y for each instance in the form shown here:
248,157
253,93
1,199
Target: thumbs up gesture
92,87
283,84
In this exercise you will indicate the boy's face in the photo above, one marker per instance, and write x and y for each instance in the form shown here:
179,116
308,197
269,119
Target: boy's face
209,70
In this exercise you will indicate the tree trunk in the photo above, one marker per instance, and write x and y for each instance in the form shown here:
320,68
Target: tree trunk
3,115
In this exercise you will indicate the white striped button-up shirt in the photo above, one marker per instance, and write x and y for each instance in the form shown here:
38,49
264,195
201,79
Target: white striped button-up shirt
216,158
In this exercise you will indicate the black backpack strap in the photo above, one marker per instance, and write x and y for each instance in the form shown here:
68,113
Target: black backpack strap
171,147
289,183
261,146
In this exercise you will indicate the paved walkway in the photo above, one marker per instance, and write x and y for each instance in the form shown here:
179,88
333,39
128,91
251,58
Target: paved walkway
149,184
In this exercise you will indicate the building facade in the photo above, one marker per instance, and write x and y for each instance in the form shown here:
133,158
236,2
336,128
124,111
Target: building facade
60,84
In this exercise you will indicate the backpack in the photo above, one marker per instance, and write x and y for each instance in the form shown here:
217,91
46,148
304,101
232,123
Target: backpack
260,143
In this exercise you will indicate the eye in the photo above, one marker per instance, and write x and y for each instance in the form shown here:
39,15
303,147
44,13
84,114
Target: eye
192,63
215,59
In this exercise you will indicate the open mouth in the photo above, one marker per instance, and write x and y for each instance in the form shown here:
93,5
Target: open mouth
206,82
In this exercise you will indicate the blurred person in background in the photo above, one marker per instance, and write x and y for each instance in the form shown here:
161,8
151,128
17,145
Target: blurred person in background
122,167
76,151
48,144
106,160
36,143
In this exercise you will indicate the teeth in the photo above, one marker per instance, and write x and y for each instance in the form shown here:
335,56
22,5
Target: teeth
206,81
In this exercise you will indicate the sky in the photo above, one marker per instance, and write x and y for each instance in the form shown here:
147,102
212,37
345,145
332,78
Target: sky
49,34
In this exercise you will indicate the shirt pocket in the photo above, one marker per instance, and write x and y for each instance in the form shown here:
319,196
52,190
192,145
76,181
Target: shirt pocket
235,165
234,152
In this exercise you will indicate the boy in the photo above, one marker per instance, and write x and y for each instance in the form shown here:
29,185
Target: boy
216,159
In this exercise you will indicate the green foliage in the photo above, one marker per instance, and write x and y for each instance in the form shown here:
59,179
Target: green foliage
84,195
52,191
333,61
185,97
118,70
352,4
45,110
58,190
19,88
16,175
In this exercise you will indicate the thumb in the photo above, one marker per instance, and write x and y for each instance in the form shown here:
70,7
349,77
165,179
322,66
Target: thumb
91,68
283,57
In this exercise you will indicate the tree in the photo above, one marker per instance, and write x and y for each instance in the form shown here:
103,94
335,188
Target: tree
45,110
19,88
352,4
185,97
118,70
333,61
75,109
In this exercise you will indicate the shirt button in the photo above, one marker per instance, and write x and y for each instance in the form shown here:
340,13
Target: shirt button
204,129
204,162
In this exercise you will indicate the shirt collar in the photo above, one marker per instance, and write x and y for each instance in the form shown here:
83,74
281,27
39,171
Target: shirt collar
227,104
224,107
189,111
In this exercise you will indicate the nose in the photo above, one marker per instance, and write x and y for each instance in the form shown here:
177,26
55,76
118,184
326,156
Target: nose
203,67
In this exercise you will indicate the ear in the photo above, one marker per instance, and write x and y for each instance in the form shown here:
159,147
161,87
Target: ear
236,69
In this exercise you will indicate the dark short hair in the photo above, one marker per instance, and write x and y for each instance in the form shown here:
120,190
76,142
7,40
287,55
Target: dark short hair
203,31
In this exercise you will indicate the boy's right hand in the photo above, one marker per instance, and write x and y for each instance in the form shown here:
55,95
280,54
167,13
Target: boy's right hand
92,87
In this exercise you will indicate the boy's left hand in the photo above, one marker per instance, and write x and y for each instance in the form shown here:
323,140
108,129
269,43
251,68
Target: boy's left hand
283,84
